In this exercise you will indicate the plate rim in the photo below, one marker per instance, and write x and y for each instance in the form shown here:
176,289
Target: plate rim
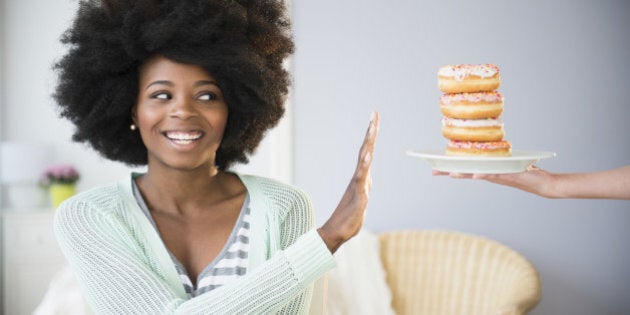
521,155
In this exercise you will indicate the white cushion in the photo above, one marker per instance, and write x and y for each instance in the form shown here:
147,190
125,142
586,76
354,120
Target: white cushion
358,285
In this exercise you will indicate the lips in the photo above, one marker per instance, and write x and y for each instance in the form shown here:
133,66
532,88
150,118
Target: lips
183,137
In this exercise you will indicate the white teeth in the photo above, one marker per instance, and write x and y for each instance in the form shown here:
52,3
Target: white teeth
183,141
183,137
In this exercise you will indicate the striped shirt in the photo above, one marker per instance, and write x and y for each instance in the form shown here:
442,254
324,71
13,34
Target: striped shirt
229,264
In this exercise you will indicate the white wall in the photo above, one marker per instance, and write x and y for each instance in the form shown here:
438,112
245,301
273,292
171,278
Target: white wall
31,46
564,67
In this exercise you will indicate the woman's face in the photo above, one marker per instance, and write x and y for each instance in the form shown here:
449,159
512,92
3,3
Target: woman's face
180,113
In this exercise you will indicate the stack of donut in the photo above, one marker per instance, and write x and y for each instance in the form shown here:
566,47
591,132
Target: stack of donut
471,107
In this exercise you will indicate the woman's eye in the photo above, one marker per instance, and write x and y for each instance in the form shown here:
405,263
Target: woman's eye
162,96
208,97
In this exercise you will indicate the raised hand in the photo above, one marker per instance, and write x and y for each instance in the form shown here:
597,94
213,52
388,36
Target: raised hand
347,219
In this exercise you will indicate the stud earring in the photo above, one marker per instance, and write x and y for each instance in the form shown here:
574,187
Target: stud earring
132,127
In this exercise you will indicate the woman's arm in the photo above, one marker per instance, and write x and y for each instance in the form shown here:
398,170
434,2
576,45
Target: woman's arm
119,277
299,220
609,184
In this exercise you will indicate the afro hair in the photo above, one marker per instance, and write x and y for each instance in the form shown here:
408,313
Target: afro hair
242,43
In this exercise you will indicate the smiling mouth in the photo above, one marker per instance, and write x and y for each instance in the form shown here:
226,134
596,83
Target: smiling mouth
181,137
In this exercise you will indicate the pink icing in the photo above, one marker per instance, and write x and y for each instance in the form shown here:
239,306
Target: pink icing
459,72
479,145
490,97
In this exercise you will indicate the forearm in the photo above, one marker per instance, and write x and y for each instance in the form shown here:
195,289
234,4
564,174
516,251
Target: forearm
269,287
117,278
263,290
609,184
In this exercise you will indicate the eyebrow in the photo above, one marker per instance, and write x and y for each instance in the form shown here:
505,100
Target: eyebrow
169,83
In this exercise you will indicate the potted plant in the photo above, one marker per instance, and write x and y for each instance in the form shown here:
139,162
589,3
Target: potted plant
61,181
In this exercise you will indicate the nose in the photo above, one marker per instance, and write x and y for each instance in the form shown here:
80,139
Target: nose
183,108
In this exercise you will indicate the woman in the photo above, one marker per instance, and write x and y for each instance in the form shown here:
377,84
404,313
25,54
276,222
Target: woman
188,88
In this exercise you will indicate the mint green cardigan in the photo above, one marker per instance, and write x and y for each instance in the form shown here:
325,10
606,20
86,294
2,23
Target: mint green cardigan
124,267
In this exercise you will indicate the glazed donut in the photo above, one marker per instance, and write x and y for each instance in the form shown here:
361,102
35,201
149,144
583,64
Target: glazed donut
472,105
469,148
468,78
490,129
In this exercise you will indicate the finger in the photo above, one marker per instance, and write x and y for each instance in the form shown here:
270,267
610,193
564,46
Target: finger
370,138
372,131
482,176
368,183
460,175
367,148
532,168
438,173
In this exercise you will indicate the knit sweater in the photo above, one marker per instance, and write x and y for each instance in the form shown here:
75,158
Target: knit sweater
124,267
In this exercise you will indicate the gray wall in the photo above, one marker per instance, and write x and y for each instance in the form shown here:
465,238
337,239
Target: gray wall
565,80
565,72
2,28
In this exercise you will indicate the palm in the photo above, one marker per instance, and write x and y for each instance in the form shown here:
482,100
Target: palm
347,219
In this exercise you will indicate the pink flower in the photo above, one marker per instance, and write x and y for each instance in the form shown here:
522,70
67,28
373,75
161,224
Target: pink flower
60,174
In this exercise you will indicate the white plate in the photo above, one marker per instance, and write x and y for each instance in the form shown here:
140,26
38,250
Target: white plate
518,162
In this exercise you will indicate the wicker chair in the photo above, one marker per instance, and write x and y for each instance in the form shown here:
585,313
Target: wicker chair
445,272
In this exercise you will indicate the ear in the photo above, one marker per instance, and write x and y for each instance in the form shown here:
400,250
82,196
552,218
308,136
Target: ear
134,114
